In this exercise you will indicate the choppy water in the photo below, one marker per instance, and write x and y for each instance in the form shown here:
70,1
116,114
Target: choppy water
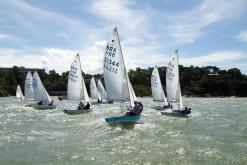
215,134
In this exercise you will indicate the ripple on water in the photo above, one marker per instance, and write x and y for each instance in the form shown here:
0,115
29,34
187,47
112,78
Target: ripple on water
214,134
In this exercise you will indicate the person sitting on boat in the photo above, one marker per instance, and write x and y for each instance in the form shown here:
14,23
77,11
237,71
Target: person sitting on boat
40,102
51,103
137,109
80,106
87,106
99,101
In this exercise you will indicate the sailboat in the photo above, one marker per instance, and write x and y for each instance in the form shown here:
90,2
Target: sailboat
28,91
94,91
76,87
19,94
116,79
157,88
173,89
102,91
41,95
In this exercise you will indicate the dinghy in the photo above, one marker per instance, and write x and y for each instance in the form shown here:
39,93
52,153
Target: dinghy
95,96
157,90
77,88
116,79
19,94
173,89
41,95
102,93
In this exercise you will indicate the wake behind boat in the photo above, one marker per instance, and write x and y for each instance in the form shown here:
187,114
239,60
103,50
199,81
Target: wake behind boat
173,89
117,82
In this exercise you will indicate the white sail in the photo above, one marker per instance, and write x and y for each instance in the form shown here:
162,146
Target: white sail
40,93
85,96
132,94
116,79
75,80
28,91
114,70
94,90
101,90
157,88
172,81
19,94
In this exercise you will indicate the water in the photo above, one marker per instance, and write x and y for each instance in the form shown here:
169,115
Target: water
216,133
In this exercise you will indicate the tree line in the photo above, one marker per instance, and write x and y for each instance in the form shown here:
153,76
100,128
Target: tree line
195,81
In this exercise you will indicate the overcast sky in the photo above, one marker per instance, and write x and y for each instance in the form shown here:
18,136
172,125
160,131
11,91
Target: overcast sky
49,33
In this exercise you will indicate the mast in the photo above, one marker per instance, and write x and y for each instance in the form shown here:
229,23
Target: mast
126,74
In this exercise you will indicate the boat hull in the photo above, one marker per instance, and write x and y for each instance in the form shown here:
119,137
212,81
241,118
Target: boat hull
176,113
122,119
160,108
76,112
44,107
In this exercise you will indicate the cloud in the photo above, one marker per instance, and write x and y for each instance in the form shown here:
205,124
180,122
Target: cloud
4,36
242,36
120,12
215,58
55,58
188,25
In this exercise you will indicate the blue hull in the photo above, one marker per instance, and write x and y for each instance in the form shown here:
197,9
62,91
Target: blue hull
122,119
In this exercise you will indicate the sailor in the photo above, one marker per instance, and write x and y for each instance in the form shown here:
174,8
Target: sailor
40,103
99,101
51,103
137,109
87,106
80,106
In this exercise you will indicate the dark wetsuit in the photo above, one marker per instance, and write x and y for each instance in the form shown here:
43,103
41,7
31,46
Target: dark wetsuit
87,106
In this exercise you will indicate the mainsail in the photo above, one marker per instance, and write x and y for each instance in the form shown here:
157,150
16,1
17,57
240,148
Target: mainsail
28,90
172,82
116,79
40,93
101,90
19,94
75,86
94,90
157,88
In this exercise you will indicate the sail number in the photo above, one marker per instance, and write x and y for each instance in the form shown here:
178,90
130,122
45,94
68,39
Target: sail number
169,72
35,82
110,51
28,83
154,81
72,74
111,65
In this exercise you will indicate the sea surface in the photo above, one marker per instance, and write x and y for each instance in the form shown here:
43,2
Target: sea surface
216,133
